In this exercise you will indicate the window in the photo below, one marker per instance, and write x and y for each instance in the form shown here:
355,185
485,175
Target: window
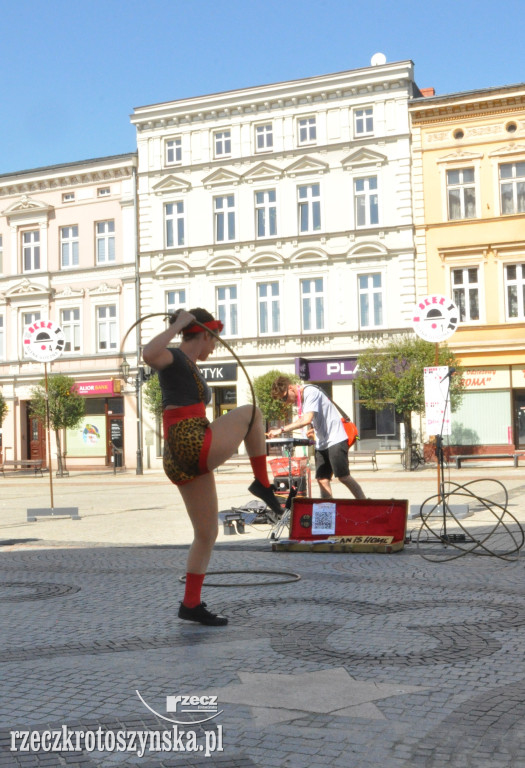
309,201
263,137
2,340
366,202
370,300
103,191
461,194
224,218
312,302
465,293
364,121
266,213
105,242
223,143
228,309
174,217
269,308
176,299
31,250
68,197
28,318
173,151
307,130
69,246
106,328
70,324
515,290
512,186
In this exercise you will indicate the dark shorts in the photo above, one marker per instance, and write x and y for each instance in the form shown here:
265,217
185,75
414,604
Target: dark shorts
332,461
186,445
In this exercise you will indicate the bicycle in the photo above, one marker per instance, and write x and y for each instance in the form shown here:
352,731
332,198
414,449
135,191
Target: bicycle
412,457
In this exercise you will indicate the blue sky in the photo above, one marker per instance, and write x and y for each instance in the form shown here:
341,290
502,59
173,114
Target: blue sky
73,71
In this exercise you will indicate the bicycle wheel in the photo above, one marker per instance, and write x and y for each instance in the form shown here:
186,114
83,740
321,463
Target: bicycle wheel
415,460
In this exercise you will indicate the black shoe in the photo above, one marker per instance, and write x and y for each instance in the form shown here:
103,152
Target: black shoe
268,496
201,614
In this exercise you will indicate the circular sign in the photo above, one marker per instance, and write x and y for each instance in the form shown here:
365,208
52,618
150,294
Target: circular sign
435,318
44,341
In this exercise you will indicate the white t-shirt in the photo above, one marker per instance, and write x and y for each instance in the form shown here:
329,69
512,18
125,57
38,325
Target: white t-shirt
327,423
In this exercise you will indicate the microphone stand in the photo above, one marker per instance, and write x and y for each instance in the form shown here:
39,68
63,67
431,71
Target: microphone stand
440,456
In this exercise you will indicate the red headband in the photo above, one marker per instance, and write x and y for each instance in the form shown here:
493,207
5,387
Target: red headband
213,325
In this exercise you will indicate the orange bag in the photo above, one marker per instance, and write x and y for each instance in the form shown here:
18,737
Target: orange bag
351,431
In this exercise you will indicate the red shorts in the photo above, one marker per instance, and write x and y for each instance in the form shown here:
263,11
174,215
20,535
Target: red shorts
187,440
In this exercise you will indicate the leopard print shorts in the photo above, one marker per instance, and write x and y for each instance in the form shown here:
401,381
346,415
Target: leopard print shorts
186,449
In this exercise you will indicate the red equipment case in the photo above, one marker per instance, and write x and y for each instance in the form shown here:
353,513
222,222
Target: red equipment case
368,525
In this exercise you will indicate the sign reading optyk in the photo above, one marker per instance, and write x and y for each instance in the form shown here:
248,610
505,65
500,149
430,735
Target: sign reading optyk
435,318
44,341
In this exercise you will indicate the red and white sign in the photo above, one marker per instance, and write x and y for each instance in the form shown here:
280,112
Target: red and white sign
435,318
44,341
93,387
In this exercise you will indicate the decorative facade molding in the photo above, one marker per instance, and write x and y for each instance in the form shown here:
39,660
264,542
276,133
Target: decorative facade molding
261,172
306,165
104,288
171,184
27,288
362,158
222,177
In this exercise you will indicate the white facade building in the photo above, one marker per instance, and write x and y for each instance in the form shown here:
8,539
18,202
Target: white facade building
68,254
286,211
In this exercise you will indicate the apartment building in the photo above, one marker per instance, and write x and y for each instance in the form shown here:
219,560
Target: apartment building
68,254
285,209
468,156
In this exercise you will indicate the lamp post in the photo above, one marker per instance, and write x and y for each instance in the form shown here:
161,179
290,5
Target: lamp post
139,378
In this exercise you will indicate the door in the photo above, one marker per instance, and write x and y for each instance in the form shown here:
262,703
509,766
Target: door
519,418
37,440
116,440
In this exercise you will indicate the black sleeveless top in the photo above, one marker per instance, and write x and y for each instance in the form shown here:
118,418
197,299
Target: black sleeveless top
182,383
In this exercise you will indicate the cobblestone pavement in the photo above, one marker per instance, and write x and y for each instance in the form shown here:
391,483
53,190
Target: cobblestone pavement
366,660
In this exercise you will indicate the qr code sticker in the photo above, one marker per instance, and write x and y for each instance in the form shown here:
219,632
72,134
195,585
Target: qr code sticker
323,519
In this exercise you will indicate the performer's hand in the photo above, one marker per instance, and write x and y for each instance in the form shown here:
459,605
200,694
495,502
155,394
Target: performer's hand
273,433
310,433
181,319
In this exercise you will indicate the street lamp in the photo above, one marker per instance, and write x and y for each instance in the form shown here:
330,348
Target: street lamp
139,378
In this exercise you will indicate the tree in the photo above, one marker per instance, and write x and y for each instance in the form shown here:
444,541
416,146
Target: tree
393,373
3,409
66,408
272,410
153,396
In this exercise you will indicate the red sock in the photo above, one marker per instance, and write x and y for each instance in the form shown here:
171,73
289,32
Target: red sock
260,469
192,594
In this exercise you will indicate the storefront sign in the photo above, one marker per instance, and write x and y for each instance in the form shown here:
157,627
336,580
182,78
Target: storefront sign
86,388
226,372
486,378
326,370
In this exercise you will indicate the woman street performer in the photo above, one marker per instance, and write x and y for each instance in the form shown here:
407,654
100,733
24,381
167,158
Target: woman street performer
194,447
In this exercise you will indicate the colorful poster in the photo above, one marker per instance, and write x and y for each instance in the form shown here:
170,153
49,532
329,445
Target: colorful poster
89,438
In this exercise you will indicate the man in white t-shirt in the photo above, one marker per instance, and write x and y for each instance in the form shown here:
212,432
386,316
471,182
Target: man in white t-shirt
331,442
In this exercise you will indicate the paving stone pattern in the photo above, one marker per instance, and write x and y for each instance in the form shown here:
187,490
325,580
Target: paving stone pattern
83,629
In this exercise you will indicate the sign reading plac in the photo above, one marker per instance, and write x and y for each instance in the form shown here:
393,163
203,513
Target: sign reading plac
435,318
44,341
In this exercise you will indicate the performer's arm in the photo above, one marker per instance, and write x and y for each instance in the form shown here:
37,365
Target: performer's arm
155,353
302,421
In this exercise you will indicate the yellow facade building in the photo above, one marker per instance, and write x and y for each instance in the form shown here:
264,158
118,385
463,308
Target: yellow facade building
468,161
